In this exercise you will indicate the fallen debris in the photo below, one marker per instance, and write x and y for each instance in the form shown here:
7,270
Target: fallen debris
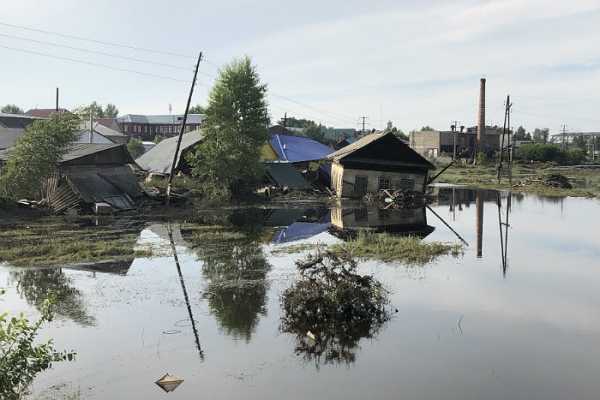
558,181
168,382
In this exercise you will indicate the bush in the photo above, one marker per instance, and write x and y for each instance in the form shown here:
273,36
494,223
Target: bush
550,153
20,358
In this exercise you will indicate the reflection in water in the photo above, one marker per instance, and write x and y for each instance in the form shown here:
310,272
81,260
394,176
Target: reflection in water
235,269
503,226
38,285
402,221
331,308
183,288
479,205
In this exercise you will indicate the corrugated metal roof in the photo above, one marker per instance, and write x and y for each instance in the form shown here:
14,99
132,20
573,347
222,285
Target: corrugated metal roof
84,137
44,112
101,129
298,148
160,158
79,150
20,121
359,144
195,119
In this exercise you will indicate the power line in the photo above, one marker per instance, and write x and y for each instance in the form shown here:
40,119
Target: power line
96,52
96,41
93,64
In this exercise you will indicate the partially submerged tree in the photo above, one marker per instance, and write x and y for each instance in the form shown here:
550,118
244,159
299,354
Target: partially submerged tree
12,109
228,159
36,155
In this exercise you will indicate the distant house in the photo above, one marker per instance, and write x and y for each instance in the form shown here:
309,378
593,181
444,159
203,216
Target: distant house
377,161
100,134
91,174
147,127
45,112
160,158
433,143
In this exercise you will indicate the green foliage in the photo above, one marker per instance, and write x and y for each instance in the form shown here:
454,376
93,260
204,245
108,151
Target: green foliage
36,154
541,135
228,159
427,128
550,152
315,132
135,148
197,109
21,359
12,109
521,134
108,111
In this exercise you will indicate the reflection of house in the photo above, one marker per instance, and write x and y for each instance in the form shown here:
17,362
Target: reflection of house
147,127
432,143
375,162
160,158
407,221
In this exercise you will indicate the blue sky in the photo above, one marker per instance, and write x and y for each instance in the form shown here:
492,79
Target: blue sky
412,62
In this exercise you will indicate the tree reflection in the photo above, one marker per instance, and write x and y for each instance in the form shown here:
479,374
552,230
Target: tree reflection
235,269
37,285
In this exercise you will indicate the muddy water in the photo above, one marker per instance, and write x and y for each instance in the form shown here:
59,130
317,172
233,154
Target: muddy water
523,323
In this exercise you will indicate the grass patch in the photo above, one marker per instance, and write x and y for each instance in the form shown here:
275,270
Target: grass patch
387,248
296,248
62,243
525,178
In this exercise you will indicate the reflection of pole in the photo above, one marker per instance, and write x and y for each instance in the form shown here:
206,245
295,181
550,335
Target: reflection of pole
448,226
499,203
479,206
453,204
185,295
508,207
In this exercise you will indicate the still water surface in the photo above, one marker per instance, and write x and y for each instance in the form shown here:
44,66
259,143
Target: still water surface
473,327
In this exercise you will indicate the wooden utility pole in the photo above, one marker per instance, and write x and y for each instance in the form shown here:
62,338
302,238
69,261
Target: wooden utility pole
504,135
56,100
181,131
364,121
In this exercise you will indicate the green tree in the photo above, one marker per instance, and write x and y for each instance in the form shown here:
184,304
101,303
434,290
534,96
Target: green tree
135,148
520,134
541,135
197,109
111,111
21,359
227,160
35,156
315,132
12,109
427,128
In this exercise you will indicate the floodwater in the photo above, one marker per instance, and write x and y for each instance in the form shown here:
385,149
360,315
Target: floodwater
514,318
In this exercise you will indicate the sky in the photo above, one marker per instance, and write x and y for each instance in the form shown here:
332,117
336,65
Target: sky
412,62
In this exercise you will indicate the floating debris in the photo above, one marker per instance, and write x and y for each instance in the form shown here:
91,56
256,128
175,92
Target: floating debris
168,382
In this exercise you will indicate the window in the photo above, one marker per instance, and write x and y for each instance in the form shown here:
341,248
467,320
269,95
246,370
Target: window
406,184
384,183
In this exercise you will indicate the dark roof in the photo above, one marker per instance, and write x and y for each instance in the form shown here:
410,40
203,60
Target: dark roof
20,121
284,174
44,112
381,148
109,123
79,150
194,119
9,136
160,158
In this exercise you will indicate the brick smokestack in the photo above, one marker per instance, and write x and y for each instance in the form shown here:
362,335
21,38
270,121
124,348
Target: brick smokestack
481,119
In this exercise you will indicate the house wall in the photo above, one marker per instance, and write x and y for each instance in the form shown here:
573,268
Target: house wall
350,218
426,143
343,180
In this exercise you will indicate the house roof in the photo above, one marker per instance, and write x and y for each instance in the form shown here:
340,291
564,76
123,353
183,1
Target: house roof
9,136
401,153
44,112
194,119
298,148
284,174
98,138
109,123
79,150
16,120
160,158
101,129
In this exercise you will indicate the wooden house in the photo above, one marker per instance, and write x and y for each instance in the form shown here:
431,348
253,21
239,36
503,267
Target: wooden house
375,162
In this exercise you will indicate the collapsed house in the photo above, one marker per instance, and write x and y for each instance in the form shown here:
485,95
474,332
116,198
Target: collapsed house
91,177
159,159
376,162
294,161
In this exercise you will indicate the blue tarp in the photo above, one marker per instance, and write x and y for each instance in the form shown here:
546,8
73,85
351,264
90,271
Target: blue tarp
299,231
298,148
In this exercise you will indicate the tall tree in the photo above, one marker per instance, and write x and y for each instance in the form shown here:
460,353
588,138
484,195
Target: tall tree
94,108
197,109
236,128
35,156
12,109
541,135
111,111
